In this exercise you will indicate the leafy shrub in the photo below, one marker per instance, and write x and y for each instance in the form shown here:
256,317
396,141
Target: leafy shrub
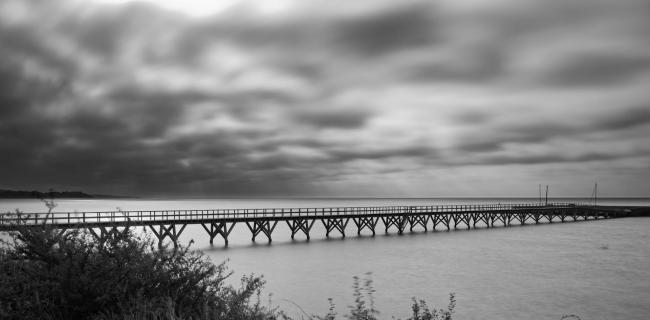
46,274
422,312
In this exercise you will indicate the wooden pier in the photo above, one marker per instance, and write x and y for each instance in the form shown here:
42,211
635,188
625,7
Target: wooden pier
262,222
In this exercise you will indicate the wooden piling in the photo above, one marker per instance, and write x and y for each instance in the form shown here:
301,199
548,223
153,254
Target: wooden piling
219,228
365,222
303,225
262,226
332,224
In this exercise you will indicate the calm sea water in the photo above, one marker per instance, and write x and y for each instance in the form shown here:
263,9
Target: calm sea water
594,269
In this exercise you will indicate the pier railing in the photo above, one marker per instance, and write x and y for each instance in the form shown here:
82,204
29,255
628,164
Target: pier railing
157,216
170,224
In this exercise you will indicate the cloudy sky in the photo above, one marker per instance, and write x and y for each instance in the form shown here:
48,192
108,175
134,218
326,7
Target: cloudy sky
326,98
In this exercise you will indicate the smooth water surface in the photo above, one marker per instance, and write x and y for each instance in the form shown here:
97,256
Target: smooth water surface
594,269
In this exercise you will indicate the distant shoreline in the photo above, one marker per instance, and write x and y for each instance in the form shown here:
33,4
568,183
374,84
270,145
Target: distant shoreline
20,194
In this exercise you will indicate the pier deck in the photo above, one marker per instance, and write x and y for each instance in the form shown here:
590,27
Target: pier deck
220,222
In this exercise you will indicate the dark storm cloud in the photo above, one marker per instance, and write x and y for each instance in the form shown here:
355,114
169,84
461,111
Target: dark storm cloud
543,159
630,119
471,65
215,146
381,153
334,118
495,136
132,98
149,98
389,30
372,32
480,146
146,113
106,31
480,71
597,69
21,42
22,127
473,117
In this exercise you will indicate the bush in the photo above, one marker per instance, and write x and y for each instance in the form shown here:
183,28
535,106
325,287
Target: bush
364,305
46,274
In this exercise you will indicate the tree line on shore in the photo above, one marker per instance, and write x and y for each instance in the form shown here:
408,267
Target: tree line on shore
51,194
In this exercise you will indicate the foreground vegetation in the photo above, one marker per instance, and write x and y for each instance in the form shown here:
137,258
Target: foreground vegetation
46,274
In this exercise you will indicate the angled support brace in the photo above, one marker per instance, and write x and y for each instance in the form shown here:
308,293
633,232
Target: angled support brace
219,228
332,224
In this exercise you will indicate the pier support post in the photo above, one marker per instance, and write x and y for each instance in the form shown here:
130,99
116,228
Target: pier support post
421,220
104,233
435,218
303,225
263,226
461,218
443,218
549,215
527,216
466,218
521,217
446,220
219,228
501,216
491,218
399,221
536,216
165,231
365,222
331,224
480,217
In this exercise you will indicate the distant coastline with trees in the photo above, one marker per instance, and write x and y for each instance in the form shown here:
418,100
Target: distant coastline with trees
51,194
